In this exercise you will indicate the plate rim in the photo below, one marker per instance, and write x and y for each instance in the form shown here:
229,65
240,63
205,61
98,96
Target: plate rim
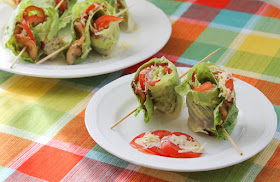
78,71
96,97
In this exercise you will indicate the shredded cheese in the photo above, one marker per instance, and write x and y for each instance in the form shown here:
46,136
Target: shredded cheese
149,140
186,146
222,76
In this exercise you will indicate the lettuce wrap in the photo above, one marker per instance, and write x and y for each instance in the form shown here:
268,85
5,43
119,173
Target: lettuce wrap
80,46
45,30
154,85
210,99
128,24
104,37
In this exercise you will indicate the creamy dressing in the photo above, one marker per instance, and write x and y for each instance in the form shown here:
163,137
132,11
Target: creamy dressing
186,146
149,140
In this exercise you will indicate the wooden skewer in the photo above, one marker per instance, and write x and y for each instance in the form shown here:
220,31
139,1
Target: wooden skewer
124,10
207,57
59,4
67,17
52,54
123,118
21,52
180,77
232,142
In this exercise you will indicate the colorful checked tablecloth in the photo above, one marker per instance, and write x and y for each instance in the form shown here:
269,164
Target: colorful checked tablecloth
42,131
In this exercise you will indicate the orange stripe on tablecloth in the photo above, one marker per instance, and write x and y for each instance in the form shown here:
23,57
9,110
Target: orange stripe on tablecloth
145,178
11,146
272,11
269,89
75,132
271,171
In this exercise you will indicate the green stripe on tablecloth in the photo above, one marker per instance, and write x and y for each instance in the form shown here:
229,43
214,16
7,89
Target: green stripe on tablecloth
248,61
93,81
234,173
269,25
277,110
4,76
62,98
169,7
36,118
273,68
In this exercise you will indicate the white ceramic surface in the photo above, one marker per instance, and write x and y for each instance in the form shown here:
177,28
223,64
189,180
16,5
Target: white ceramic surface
153,32
257,122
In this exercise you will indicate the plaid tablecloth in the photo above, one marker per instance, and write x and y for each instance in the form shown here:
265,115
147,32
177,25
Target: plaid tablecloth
42,130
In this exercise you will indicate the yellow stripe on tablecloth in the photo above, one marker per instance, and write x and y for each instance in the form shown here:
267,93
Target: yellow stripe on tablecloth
29,89
164,175
9,82
264,34
253,75
238,41
263,157
81,106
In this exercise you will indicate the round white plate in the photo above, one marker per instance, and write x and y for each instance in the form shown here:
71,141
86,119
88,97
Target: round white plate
256,127
152,33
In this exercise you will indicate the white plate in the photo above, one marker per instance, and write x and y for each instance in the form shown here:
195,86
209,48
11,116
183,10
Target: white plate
256,127
153,32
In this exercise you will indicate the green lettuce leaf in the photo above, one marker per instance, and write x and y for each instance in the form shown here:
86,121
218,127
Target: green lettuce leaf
67,12
165,100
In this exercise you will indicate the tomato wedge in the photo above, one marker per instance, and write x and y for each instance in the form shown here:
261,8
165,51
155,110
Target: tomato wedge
173,150
38,18
169,70
194,73
104,21
142,80
229,84
63,6
161,133
205,86
140,147
27,28
92,7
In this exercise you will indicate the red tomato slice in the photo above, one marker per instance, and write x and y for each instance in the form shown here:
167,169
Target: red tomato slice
63,6
104,21
142,80
205,86
38,18
194,73
140,147
92,7
170,148
229,84
161,133
169,70
27,28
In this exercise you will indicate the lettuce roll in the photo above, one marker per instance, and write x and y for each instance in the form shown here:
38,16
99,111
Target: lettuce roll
210,99
128,24
154,86
104,29
32,22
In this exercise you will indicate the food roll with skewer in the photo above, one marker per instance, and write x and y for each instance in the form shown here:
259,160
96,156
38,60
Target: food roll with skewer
211,100
31,23
154,86
104,30
128,24
86,23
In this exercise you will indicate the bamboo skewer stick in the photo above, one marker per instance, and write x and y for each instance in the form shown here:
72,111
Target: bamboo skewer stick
123,11
21,52
207,57
59,4
67,17
52,54
232,142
